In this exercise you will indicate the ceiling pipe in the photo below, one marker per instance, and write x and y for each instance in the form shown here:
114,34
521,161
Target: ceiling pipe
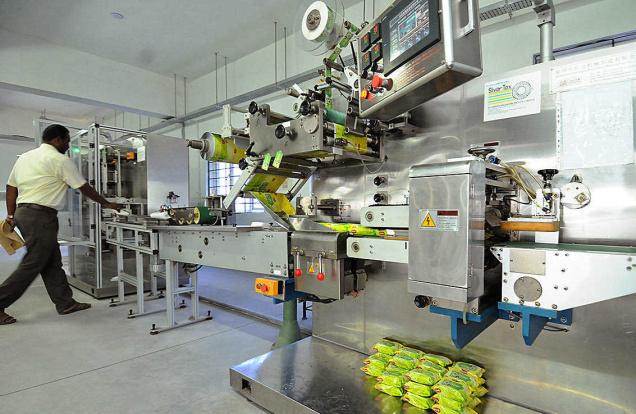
545,21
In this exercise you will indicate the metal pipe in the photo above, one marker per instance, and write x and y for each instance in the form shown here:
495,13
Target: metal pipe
216,76
175,97
275,53
547,41
225,66
285,49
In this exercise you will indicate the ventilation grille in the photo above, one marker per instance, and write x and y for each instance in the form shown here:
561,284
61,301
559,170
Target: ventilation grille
504,7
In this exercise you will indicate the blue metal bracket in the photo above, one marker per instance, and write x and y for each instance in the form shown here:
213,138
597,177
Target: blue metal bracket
532,319
462,333
290,292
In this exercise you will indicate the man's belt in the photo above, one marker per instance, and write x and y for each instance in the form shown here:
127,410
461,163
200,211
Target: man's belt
38,207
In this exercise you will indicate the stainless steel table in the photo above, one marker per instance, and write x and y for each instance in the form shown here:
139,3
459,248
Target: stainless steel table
316,376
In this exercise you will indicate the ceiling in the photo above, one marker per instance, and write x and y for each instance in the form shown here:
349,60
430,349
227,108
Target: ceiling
163,36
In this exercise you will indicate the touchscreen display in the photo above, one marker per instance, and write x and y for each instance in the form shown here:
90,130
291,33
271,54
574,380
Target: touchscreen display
408,27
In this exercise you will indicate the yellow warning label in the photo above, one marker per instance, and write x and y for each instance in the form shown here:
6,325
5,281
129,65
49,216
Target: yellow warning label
428,221
311,268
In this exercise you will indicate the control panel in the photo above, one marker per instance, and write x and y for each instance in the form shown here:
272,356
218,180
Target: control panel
416,50
268,286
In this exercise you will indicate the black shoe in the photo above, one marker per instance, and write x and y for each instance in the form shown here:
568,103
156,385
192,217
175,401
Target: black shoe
6,319
75,307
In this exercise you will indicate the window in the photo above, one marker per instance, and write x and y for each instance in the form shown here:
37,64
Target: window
221,178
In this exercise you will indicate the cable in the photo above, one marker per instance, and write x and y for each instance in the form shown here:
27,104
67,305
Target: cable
314,298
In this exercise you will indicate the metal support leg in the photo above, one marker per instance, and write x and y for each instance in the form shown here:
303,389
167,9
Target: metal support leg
120,283
172,292
171,283
289,330
194,297
139,273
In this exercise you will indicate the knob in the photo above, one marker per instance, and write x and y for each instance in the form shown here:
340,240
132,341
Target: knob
421,301
379,198
281,132
242,164
320,276
379,180
548,174
264,288
379,82
253,108
298,272
305,108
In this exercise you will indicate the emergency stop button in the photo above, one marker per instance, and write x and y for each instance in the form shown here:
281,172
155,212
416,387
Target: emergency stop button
379,82
266,286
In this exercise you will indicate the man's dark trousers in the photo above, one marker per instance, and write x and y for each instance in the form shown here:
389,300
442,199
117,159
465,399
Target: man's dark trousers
39,229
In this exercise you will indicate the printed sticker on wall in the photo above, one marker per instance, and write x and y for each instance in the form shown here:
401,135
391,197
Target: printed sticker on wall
439,220
512,97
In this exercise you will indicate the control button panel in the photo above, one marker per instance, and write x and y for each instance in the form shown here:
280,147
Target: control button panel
375,33
366,61
365,42
376,52
268,287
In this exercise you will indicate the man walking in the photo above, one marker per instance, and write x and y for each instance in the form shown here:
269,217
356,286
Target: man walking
37,186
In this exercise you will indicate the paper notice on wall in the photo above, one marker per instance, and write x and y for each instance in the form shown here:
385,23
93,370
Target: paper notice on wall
595,126
606,69
512,97
141,154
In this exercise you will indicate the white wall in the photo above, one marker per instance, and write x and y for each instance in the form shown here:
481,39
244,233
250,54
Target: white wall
31,63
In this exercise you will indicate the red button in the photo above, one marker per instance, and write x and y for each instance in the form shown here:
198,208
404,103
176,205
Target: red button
264,288
298,272
380,82
320,276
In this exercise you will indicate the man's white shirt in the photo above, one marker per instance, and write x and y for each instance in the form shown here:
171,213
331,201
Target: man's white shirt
43,175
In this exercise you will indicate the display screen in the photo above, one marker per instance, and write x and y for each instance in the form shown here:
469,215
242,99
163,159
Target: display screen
409,27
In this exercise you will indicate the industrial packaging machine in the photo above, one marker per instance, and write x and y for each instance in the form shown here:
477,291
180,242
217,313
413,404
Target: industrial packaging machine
486,217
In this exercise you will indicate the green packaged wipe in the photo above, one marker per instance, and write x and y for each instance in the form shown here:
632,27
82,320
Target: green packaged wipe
438,359
429,365
472,381
378,357
394,380
418,389
376,362
372,370
447,402
404,361
442,410
387,347
389,389
453,389
474,402
418,401
480,392
394,369
411,352
422,376
467,367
